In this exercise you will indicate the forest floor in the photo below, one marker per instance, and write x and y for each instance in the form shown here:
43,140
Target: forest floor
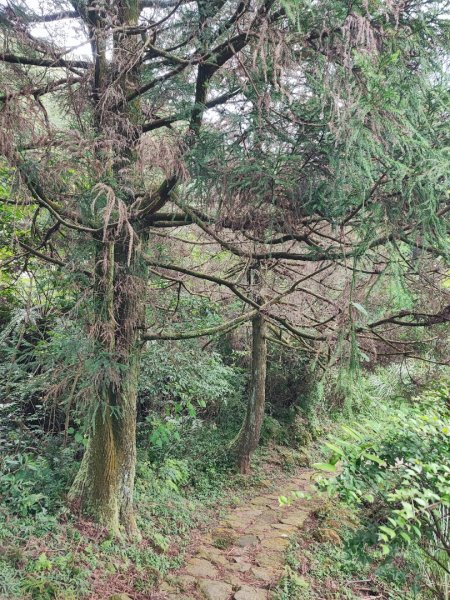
234,541
242,556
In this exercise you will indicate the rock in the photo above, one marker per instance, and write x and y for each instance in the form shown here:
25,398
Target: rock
276,507
185,581
241,567
238,551
296,519
239,559
271,560
284,527
265,574
249,593
246,513
215,590
219,560
247,540
213,555
120,597
268,517
259,501
201,568
234,523
264,529
233,580
276,543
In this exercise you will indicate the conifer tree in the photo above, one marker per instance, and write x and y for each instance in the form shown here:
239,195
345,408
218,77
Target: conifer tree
311,132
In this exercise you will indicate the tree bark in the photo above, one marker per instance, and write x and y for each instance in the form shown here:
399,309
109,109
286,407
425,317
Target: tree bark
248,438
104,485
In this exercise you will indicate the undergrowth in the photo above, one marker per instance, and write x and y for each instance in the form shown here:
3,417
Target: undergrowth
184,475
382,528
48,553
336,558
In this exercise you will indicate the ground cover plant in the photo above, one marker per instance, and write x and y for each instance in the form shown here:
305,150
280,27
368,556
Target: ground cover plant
394,466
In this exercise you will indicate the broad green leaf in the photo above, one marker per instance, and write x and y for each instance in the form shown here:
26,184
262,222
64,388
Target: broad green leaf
325,467
334,448
374,458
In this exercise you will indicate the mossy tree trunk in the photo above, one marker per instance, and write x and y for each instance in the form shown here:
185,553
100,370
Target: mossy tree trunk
104,485
248,438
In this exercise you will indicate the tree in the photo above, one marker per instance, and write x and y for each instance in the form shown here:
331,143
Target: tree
324,146
96,191
248,438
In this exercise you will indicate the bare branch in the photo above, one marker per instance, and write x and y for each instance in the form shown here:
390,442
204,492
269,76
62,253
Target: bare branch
422,319
45,62
224,328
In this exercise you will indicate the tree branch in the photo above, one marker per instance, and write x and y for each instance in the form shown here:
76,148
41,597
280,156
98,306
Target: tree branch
166,121
45,62
224,328
422,319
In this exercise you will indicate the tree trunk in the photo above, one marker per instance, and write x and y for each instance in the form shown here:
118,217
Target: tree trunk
248,438
103,488
104,484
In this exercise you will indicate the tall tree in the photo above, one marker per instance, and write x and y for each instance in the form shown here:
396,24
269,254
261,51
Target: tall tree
311,133
248,438
107,184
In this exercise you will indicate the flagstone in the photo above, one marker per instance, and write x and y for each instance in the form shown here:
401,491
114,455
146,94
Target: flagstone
244,553
200,567
215,590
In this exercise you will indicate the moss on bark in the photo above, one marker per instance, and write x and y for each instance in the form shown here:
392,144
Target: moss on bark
248,438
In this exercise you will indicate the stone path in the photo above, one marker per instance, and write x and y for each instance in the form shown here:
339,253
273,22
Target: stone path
242,558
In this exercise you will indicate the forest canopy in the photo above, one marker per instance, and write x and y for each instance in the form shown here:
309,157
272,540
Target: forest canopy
218,216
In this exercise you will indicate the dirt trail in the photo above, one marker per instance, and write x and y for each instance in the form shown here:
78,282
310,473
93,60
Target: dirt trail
242,557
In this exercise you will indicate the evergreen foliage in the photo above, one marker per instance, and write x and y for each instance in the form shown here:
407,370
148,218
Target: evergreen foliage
221,223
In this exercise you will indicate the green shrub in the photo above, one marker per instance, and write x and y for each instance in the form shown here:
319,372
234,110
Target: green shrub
180,378
31,483
397,465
